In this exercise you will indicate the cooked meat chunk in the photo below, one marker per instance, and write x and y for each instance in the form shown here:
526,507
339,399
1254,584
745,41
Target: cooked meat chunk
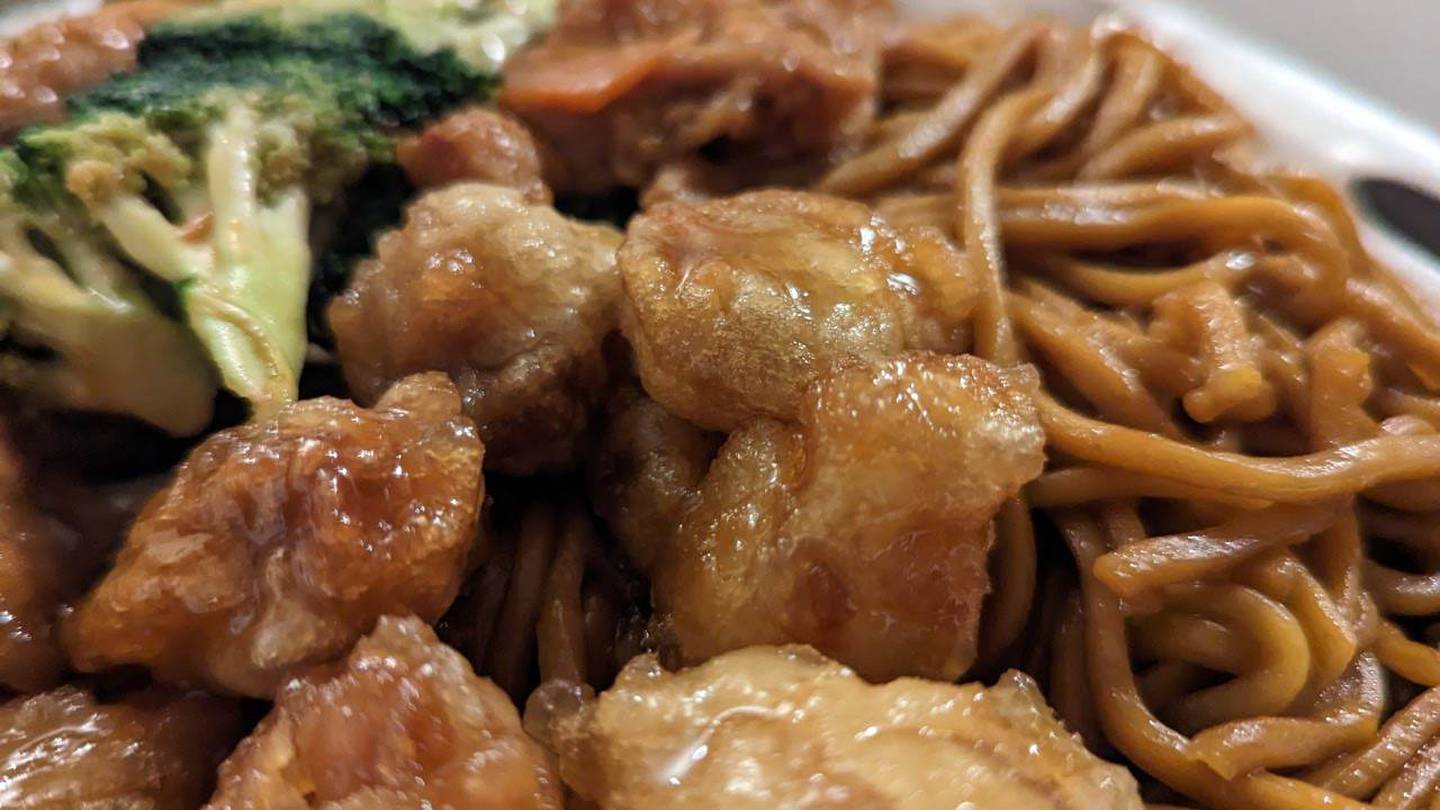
772,727
622,87
62,750
861,528
280,543
402,723
43,65
479,145
647,472
57,532
37,572
734,306
512,300
32,584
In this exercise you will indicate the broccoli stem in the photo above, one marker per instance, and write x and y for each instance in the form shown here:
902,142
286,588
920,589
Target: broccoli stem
114,351
243,272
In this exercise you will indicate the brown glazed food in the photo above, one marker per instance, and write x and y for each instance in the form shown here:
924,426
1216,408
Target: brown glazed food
279,543
39,68
403,722
861,528
734,306
479,145
510,299
770,727
622,87
646,472
34,579
153,750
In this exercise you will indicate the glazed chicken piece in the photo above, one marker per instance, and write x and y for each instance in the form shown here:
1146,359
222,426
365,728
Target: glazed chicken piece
512,300
622,87
43,65
280,543
646,473
476,144
402,723
152,750
770,727
861,528
57,533
734,306
36,574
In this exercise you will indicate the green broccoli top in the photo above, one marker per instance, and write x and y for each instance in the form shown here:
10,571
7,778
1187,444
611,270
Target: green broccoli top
330,92
481,33
201,169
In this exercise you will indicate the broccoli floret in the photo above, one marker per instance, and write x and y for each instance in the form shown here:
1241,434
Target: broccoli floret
482,33
95,340
201,169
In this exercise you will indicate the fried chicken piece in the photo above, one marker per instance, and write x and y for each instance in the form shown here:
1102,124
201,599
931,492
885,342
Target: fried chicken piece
280,543
862,528
38,571
622,87
152,750
475,144
647,472
57,533
734,306
43,65
403,722
769,727
512,300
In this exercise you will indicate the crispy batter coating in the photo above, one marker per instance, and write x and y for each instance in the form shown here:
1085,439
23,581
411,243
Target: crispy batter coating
647,472
862,528
403,723
152,750
279,543
622,87
57,533
476,144
735,305
512,300
772,727
41,66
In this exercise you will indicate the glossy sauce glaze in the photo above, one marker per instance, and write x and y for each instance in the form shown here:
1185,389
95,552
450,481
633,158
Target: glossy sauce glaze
402,722
42,66
773,727
279,543
734,306
511,299
862,527
154,750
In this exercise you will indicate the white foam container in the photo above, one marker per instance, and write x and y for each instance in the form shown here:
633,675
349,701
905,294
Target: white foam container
1340,88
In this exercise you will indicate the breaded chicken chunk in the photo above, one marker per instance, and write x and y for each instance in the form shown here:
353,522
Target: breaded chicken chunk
402,723
861,528
57,532
152,750
44,64
768,727
735,305
512,300
477,145
36,575
647,472
622,87
279,543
